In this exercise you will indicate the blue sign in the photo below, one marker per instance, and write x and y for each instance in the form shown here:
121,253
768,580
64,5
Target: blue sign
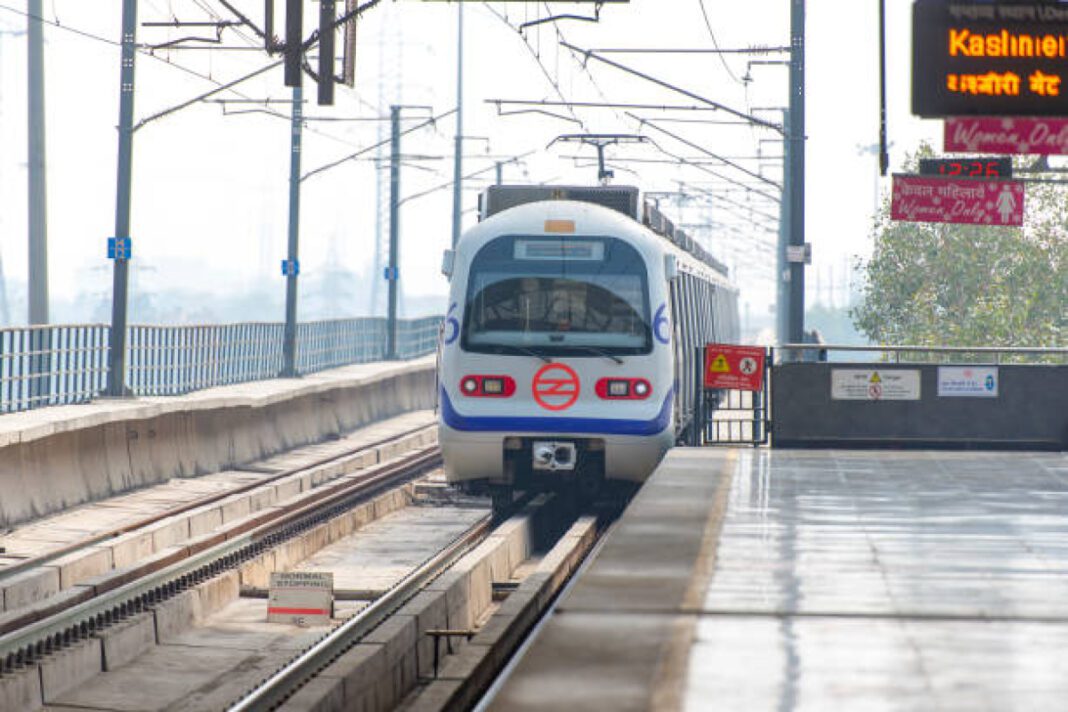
661,325
290,268
392,274
452,326
120,248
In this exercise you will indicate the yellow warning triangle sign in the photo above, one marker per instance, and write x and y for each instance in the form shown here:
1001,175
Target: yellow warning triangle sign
720,365
875,378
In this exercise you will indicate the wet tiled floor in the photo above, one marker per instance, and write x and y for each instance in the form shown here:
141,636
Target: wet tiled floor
874,580
791,580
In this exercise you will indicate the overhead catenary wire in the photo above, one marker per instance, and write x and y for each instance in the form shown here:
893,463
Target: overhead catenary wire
715,43
561,41
698,193
192,72
604,105
553,82
366,149
697,147
679,90
201,97
473,174
689,50
705,169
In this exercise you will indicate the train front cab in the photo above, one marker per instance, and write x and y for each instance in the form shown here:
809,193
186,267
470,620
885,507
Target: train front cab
552,334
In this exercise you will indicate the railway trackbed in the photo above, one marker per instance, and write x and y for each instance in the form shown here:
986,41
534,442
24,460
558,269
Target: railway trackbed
440,638
422,584
67,562
417,577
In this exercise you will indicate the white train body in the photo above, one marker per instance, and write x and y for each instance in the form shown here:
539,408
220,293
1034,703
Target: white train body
561,356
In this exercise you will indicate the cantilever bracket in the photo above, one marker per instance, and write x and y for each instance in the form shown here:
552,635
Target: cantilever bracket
553,18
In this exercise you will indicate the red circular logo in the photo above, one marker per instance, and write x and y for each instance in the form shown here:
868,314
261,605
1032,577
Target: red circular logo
556,387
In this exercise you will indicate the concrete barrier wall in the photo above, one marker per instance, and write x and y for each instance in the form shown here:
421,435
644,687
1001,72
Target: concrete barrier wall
1030,411
55,458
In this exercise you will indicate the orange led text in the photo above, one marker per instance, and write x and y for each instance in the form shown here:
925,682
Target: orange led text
965,43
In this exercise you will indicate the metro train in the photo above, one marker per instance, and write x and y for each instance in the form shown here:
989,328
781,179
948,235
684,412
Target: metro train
568,356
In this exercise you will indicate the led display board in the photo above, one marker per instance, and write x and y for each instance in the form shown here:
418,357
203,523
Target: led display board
998,167
989,58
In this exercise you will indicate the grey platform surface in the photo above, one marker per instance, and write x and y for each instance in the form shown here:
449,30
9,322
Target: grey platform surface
820,580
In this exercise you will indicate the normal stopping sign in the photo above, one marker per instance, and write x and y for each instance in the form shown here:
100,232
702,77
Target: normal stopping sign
731,367
301,598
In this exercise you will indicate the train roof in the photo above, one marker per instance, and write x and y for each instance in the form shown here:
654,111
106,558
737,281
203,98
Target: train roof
622,199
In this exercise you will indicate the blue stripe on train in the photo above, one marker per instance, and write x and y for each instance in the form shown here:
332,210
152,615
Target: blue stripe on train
598,426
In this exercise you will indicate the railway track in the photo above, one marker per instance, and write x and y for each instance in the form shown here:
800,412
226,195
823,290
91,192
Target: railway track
282,684
454,682
482,556
37,633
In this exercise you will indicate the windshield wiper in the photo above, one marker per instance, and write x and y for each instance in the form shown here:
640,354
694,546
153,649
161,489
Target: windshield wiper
595,350
505,348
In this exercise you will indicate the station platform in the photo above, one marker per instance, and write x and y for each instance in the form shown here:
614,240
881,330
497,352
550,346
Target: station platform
756,579
55,458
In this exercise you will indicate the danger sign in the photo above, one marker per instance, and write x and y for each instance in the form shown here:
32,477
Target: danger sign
875,385
734,367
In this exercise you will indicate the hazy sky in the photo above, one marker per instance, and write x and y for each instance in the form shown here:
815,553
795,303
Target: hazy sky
210,195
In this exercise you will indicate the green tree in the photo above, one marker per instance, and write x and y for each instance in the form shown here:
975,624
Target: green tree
960,285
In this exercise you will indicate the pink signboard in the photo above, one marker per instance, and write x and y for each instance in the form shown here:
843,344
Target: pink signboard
1006,135
954,200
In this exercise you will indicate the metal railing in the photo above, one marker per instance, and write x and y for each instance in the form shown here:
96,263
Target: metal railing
937,354
171,360
416,337
54,365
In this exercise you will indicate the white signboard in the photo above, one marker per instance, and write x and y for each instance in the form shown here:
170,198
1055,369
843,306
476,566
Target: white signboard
968,381
300,598
875,384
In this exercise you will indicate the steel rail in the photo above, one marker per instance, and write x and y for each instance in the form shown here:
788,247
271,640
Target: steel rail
9,571
1041,350
82,620
276,689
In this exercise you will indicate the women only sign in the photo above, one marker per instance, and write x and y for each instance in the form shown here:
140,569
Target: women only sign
1006,135
953,200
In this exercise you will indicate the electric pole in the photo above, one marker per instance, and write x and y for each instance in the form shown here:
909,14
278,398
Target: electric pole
783,268
796,182
291,266
392,274
5,312
457,170
37,189
120,251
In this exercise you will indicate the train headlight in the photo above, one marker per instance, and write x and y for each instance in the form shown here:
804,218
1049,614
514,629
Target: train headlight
623,389
479,386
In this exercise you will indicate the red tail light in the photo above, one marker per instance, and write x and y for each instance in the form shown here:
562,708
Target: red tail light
623,389
487,386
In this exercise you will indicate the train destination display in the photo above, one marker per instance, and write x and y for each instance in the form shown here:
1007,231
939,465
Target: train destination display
996,59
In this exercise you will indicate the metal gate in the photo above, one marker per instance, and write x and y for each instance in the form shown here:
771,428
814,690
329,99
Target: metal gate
734,416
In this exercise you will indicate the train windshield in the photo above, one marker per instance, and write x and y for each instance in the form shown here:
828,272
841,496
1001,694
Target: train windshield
557,297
